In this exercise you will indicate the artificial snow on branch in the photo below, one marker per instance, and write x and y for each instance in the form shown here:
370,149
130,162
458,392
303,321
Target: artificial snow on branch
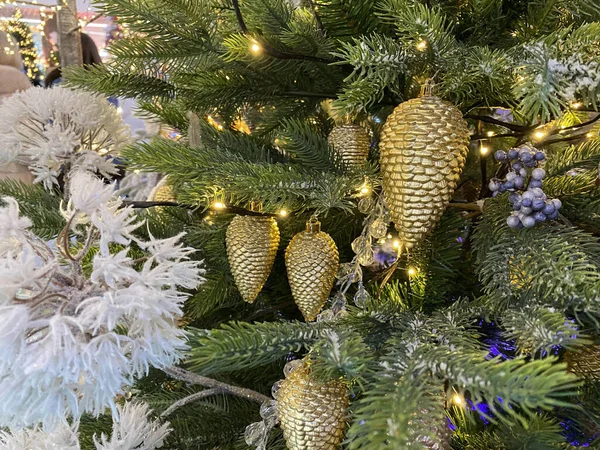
70,340
53,130
132,430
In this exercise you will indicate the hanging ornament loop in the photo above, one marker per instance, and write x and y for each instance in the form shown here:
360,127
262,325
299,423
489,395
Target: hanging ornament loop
428,88
313,225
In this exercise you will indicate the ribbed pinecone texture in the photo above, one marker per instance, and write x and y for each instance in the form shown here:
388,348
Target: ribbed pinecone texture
164,193
424,144
351,142
584,362
252,243
312,261
312,414
441,431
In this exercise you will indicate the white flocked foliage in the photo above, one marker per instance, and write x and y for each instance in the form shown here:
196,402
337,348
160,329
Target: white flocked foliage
50,129
69,343
132,430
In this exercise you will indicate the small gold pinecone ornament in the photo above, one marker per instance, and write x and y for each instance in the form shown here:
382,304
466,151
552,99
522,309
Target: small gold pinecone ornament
351,142
252,243
312,414
441,430
424,144
584,362
312,261
163,192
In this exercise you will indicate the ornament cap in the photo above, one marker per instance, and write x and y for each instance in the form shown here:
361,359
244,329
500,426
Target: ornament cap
313,225
256,206
427,88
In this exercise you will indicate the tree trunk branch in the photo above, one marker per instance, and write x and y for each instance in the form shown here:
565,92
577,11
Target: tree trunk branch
189,399
192,378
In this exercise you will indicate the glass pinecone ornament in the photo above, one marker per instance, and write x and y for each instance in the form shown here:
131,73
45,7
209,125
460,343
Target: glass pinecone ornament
584,362
252,243
424,144
312,414
312,262
351,142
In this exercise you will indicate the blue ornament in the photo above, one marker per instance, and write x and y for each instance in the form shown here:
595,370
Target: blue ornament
539,156
525,157
513,221
526,210
538,174
531,164
537,192
535,184
500,155
528,221
519,182
517,206
528,194
539,216
553,216
538,204
526,201
513,154
549,209
517,166
494,185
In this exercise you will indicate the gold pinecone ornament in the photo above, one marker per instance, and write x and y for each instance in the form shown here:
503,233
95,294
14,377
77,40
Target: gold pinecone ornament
584,362
440,429
351,142
312,261
252,243
312,414
164,193
424,145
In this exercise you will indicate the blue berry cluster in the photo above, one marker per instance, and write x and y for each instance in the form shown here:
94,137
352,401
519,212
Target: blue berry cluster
524,182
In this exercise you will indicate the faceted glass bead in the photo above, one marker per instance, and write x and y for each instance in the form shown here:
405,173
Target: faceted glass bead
360,243
365,205
255,433
326,316
348,273
268,411
291,365
275,389
361,296
366,257
378,228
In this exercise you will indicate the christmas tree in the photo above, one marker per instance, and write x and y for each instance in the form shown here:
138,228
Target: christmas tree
396,205
22,36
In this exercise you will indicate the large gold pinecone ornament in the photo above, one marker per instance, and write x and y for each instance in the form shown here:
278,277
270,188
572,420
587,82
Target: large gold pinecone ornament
584,362
312,262
351,142
424,145
252,243
312,414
